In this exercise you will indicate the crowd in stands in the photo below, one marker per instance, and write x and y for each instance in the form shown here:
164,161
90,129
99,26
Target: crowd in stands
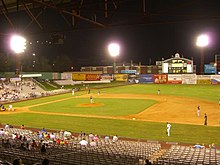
15,91
7,93
64,147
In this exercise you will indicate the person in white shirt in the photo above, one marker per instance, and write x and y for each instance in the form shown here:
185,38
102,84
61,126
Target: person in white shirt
83,142
13,136
2,132
91,100
115,138
7,126
52,136
10,108
168,129
67,134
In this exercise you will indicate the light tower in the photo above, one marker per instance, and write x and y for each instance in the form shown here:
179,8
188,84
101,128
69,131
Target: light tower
114,51
18,46
202,41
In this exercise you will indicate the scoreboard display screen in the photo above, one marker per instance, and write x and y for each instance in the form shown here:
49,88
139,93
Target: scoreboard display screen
177,66
209,69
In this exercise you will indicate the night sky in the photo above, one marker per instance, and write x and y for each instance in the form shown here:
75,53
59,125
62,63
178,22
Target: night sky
140,41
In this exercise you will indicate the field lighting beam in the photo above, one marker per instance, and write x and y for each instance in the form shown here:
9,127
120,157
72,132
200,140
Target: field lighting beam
114,51
18,46
202,42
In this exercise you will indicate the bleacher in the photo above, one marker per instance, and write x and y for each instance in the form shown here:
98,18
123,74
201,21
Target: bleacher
105,152
189,155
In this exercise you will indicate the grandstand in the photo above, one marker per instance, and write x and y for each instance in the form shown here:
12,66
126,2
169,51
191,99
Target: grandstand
12,91
105,152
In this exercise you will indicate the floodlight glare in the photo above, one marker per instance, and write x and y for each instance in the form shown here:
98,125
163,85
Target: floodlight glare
202,40
18,44
114,49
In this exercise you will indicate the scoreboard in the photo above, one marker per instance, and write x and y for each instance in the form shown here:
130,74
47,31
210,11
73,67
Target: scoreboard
178,66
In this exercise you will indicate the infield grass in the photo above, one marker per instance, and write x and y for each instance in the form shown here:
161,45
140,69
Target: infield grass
109,107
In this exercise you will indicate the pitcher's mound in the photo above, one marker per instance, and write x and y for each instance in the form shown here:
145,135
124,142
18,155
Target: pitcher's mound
90,105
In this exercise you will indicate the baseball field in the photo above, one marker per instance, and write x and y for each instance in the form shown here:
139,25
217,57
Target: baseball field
132,111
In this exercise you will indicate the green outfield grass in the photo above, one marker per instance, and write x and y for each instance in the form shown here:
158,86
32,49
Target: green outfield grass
126,128
206,92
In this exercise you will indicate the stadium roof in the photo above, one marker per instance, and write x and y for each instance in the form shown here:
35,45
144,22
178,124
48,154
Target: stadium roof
84,14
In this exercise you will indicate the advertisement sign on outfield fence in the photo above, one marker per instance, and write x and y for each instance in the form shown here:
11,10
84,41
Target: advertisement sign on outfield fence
147,78
121,77
106,77
66,76
160,78
215,79
79,77
174,79
93,77
188,78
203,79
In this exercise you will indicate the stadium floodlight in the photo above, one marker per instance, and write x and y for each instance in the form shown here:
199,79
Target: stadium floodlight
202,41
18,44
114,49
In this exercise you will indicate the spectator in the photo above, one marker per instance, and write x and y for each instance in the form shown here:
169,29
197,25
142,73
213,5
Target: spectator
34,144
61,133
115,138
91,136
17,161
7,144
198,146
7,126
52,136
67,134
106,138
3,108
92,143
43,149
212,145
83,142
2,132
22,126
96,138
46,161
147,162
43,130
58,141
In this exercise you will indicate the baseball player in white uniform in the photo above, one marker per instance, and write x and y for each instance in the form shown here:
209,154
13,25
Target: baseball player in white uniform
168,129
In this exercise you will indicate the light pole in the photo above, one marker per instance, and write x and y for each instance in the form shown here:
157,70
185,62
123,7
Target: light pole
202,41
114,51
18,46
